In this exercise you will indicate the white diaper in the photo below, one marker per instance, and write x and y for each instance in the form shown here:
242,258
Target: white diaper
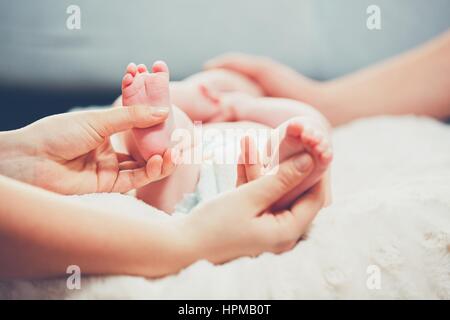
214,177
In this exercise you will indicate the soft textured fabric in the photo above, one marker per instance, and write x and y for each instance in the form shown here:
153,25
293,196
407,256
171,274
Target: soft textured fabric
391,212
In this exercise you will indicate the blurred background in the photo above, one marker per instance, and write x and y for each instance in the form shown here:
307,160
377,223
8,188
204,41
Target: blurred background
46,68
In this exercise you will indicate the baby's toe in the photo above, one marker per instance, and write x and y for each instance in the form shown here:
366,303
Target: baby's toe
132,69
311,137
160,66
127,80
294,129
323,151
142,68
326,157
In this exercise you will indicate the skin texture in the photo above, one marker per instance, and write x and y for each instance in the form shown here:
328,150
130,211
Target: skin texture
197,95
37,233
297,135
39,238
415,82
78,158
152,89
142,87
309,132
297,128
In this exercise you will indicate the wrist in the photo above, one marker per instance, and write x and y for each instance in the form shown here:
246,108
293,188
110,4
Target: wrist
312,91
327,99
187,248
11,144
201,243
210,238
14,150
182,247
15,142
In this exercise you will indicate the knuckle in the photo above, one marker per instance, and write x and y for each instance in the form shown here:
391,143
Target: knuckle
283,246
284,241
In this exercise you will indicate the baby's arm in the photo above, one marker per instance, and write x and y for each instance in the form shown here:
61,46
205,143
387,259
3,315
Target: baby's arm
198,94
416,82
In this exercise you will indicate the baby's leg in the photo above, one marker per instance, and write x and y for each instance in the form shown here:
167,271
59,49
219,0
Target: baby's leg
297,128
141,87
168,192
268,111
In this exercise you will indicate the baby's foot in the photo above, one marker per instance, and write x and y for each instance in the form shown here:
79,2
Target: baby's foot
139,87
302,134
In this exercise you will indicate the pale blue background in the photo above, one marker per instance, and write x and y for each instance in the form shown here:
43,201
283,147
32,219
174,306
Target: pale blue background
322,38
46,68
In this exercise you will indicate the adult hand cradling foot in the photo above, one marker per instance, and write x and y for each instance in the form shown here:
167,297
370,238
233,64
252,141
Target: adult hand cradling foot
39,228
71,153
242,223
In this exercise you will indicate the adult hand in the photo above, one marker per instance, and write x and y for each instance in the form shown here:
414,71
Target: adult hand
34,223
274,78
242,223
71,153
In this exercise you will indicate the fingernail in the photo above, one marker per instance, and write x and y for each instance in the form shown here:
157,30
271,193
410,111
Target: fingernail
160,111
303,162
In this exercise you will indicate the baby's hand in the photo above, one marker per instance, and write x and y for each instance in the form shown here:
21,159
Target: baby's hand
274,78
219,81
199,95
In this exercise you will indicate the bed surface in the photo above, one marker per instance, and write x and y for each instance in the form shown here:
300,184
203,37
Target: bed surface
390,217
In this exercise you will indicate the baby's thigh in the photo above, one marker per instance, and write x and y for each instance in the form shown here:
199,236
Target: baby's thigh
309,111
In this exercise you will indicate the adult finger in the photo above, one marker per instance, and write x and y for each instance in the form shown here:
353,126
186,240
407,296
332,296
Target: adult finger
245,64
306,207
251,158
258,195
114,120
168,164
139,177
241,175
128,165
121,157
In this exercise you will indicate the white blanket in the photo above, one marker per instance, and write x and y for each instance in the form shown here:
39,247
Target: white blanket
386,235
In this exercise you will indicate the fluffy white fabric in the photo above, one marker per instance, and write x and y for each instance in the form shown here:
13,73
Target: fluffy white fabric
391,209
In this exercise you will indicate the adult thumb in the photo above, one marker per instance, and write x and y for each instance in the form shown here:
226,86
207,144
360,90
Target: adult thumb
260,194
110,121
